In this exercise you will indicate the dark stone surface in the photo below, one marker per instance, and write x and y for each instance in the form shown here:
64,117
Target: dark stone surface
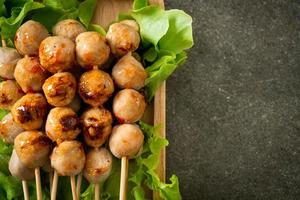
233,115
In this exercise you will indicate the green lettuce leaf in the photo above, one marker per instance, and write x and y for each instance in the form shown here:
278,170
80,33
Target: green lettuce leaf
153,23
86,11
160,70
3,113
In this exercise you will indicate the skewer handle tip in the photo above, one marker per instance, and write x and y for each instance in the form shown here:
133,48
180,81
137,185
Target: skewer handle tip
124,177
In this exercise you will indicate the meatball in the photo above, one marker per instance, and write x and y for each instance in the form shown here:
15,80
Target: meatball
95,87
91,49
98,165
96,124
68,158
9,129
10,93
126,140
128,106
29,111
69,28
129,73
47,166
18,169
8,61
60,89
57,53
29,36
123,38
62,124
33,148
30,75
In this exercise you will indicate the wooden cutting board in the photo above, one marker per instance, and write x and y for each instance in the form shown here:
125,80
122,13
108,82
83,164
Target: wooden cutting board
106,12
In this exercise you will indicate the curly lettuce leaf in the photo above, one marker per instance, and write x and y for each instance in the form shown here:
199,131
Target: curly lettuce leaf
86,11
165,36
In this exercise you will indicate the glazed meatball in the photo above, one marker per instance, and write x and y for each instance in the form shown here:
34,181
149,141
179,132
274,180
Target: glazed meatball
29,36
128,106
96,123
75,104
123,38
9,129
126,140
18,169
129,73
91,49
10,93
95,87
29,111
8,61
57,54
68,158
33,148
62,124
98,165
30,75
60,89
69,28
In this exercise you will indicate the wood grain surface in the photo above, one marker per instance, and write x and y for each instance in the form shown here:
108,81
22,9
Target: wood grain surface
106,12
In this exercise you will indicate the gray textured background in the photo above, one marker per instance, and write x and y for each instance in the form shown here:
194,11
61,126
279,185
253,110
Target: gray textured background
234,108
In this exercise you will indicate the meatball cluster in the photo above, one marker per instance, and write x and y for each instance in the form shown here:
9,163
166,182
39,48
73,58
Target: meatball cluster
58,87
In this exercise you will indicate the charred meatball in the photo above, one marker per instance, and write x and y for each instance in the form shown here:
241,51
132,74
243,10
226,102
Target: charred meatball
95,87
91,49
62,124
30,111
126,140
98,165
18,169
96,124
9,129
123,37
60,89
69,28
29,36
33,148
128,106
129,73
57,54
68,158
10,93
8,61
30,75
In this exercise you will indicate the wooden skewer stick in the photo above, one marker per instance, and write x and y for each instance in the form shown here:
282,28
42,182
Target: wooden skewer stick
97,191
54,185
124,176
25,190
38,183
3,43
50,180
73,187
78,185
24,183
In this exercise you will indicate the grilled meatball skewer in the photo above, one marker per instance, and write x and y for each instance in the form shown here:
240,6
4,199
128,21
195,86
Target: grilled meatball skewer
97,167
67,159
126,142
33,149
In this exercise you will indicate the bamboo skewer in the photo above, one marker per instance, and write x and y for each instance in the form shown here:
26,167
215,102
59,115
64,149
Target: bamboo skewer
25,190
54,185
97,191
24,183
78,185
50,180
38,183
124,176
73,187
